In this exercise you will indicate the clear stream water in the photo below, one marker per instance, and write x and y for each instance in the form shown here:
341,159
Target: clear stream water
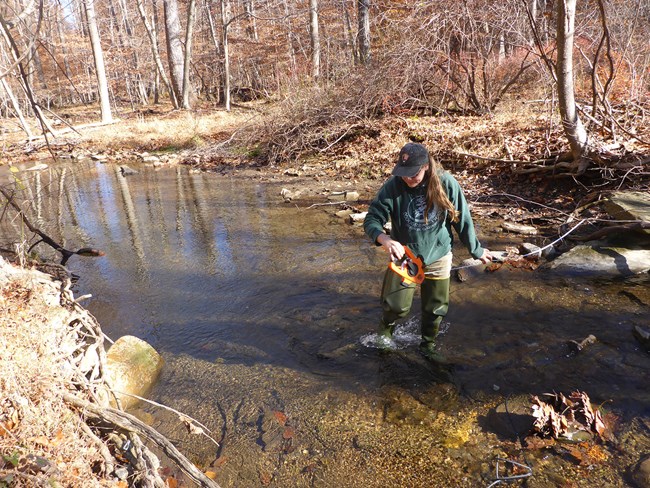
265,315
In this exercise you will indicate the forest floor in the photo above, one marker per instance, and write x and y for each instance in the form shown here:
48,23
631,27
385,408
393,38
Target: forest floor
492,156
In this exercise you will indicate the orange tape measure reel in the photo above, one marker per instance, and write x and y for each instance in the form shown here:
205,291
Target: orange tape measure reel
410,267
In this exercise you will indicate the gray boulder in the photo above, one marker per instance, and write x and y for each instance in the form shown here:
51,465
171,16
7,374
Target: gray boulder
602,259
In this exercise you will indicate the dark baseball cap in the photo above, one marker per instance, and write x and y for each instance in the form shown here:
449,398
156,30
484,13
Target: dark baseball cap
411,159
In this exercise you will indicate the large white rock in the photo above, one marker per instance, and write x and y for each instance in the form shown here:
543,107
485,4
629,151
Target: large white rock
133,366
603,260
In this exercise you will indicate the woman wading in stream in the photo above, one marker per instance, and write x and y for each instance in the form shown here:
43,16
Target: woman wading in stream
423,202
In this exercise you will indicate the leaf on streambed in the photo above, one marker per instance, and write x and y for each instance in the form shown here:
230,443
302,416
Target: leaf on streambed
211,474
281,417
265,478
534,442
569,418
583,454
220,461
288,433
548,422
522,263
192,428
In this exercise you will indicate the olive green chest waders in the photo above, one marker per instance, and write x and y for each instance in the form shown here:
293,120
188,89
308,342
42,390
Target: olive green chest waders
397,297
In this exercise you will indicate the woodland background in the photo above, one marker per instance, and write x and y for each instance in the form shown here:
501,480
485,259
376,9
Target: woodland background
328,67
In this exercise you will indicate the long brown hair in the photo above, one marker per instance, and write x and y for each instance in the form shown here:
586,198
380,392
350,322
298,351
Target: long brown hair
436,194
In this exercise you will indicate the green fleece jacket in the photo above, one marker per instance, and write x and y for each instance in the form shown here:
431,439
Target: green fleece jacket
405,207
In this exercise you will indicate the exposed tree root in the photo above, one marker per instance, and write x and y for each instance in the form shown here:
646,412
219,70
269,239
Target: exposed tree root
129,423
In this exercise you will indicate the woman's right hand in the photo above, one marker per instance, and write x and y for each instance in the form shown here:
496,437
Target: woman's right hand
394,248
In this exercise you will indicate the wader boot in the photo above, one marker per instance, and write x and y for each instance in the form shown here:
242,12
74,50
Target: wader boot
396,299
435,302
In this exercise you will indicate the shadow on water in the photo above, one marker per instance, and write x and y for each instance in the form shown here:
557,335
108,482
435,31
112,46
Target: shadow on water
265,315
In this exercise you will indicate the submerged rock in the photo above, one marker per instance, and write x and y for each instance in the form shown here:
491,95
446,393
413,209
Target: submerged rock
641,473
512,419
643,336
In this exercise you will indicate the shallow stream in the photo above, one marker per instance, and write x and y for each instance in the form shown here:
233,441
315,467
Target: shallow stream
265,315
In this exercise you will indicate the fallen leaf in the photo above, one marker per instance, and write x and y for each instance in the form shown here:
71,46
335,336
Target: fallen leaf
280,417
171,482
265,478
211,474
220,461
288,433
533,442
42,441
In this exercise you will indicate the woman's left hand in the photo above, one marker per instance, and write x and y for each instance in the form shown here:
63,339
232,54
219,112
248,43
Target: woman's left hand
487,256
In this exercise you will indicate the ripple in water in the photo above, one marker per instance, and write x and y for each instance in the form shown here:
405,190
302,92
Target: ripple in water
405,335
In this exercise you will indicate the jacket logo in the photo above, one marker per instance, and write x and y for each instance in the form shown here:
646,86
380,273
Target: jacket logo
414,215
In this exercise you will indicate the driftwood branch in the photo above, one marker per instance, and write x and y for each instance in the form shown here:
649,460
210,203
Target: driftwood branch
65,253
640,225
541,163
129,423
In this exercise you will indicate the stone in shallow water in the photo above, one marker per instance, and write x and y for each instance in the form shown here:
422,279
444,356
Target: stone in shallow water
641,473
512,419
133,366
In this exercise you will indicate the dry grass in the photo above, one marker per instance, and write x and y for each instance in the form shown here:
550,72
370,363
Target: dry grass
156,128
171,131
40,437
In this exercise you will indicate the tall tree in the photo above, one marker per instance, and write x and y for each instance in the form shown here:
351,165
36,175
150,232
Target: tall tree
315,39
225,22
174,50
187,61
363,33
251,27
153,41
573,127
98,57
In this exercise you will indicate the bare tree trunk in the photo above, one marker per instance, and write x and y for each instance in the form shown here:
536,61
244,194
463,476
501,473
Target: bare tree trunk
226,57
532,8
251,28
290,50
98,56
217,47
174,49
348,35
153,39
187,61
363,34
17,110
573,127
315,39
18,60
